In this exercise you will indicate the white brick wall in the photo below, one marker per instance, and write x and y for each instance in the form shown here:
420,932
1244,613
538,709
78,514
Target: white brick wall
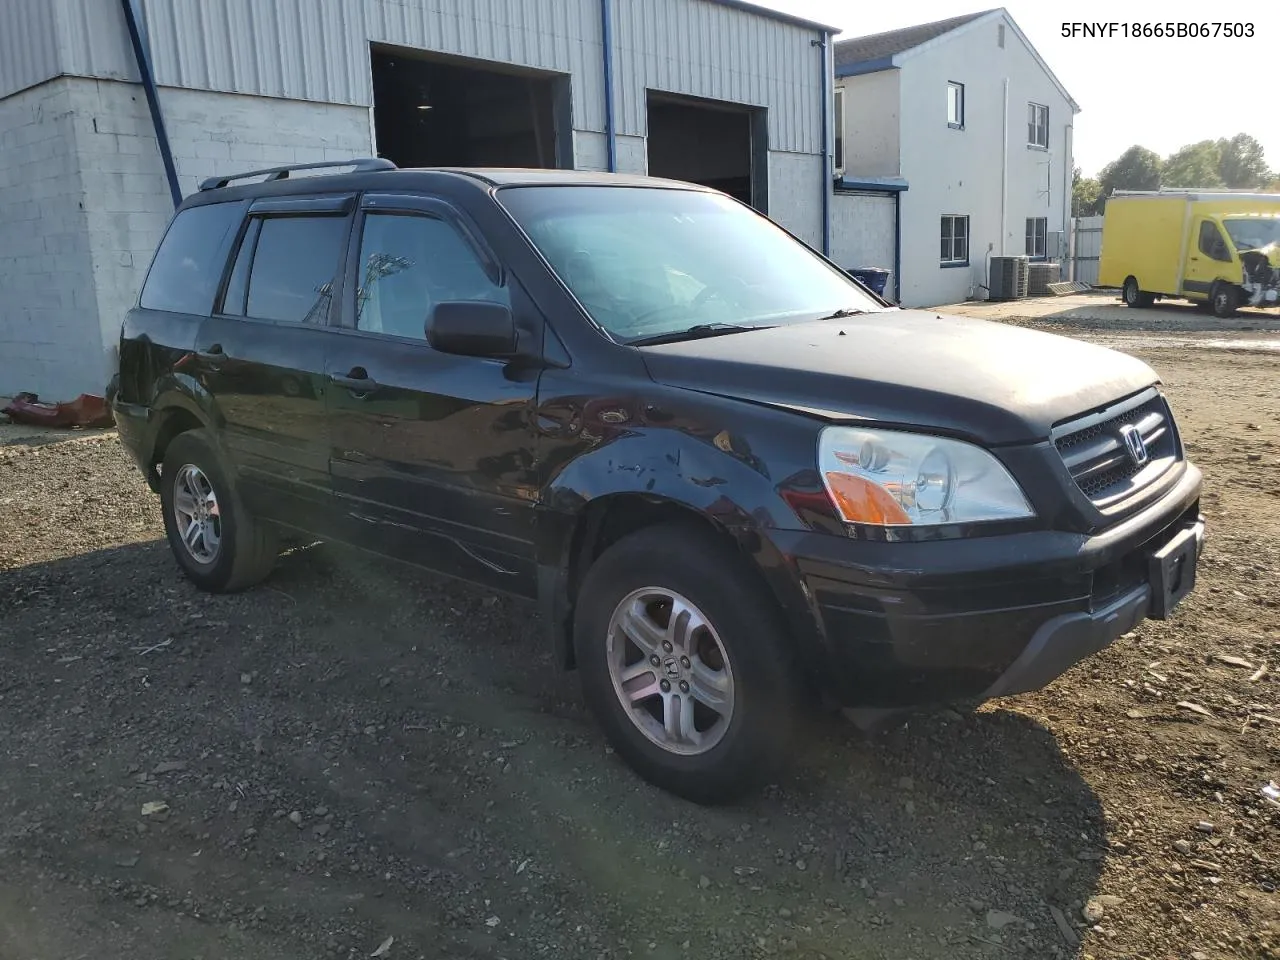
83,202
795,194
46,277
862,232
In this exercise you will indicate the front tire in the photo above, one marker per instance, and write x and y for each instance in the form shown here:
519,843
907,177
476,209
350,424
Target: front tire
217,543
684,664
1224,299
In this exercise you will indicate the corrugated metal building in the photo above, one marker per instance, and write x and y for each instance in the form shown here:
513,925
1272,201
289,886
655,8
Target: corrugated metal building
715,91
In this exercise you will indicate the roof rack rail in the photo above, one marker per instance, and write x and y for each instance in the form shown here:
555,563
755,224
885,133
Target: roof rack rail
357,164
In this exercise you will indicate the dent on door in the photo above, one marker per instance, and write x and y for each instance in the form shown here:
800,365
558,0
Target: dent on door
436,458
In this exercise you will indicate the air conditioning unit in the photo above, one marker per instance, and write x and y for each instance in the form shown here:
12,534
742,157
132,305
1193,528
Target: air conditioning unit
1009,278
1041,274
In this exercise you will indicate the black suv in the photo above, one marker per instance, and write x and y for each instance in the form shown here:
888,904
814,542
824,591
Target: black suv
732,477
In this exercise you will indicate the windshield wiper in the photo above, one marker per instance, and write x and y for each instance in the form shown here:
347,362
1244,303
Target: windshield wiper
698,331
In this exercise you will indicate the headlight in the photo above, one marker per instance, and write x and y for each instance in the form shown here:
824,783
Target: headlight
889,478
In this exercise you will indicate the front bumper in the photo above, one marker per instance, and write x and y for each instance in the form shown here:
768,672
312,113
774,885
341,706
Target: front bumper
906,624
1067,639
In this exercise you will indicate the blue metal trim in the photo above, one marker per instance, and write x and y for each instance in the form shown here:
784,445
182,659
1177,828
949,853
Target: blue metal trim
606,39
147,76
875,184
828,96
865,66
897,246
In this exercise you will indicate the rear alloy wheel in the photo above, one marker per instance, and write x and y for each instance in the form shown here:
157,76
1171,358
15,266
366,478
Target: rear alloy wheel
685,664
1224,299
218,544
197,514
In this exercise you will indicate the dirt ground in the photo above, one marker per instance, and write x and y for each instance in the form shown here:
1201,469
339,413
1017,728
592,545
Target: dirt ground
356,752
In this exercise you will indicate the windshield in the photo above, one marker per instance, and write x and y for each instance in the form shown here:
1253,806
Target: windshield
646,262
1249,233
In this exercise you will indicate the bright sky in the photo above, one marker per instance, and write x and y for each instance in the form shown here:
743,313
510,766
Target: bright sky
1159,93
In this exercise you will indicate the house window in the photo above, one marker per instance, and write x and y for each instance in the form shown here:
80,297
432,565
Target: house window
1037,235
955,105
955,241
1037,125
839,123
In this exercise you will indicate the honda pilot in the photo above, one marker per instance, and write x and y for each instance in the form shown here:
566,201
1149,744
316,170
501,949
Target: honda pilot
734,480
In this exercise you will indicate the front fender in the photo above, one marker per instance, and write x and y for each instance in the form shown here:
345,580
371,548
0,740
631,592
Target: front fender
720,478
730,485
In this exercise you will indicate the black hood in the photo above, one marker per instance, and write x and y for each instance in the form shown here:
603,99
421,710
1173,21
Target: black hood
989,381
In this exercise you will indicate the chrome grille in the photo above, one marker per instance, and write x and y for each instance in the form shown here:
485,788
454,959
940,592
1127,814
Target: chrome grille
1102,461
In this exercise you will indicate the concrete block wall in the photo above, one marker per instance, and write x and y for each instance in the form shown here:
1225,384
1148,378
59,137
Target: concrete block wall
46,285
127,199
112,203
862,232
795,194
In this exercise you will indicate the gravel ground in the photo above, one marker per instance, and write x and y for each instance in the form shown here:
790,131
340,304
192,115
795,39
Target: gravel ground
357,751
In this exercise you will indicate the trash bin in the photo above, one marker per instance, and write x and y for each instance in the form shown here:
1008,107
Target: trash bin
873,278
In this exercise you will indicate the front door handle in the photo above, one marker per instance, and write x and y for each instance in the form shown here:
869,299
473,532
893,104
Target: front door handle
357,381
214,355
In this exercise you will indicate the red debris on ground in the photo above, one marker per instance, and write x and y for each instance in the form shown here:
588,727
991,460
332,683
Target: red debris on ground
84,411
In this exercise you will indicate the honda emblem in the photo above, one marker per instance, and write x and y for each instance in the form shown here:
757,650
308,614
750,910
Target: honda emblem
1134,444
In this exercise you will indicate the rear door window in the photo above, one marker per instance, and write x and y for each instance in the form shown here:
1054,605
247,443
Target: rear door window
188,265
294,263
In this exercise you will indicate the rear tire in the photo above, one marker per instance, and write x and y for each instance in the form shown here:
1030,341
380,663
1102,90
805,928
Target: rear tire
1134,296
217,543
1224,300
669,609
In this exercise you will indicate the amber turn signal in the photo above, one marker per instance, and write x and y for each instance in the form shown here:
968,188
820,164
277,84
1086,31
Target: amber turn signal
861,501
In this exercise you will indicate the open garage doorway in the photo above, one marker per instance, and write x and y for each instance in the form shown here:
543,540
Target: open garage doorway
435,110
710,142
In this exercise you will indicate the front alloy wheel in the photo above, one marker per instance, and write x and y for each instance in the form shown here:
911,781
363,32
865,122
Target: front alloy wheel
686,663
670,671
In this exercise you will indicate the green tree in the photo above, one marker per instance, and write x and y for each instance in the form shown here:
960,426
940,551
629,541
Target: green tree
1242,165
1136,169
1195,165
1084,194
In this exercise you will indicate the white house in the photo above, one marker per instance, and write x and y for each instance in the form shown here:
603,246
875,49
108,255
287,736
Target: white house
964,128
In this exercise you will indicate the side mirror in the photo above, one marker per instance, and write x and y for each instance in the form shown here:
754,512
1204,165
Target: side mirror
472,328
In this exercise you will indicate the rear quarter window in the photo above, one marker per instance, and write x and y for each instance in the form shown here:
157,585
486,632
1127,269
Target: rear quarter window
188,265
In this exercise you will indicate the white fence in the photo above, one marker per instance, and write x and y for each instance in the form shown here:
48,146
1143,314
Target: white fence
1086,249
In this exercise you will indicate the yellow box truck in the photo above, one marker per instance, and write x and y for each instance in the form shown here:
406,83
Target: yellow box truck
1220,250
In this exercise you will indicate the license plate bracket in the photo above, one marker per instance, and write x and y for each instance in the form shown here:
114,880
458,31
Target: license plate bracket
1172,570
